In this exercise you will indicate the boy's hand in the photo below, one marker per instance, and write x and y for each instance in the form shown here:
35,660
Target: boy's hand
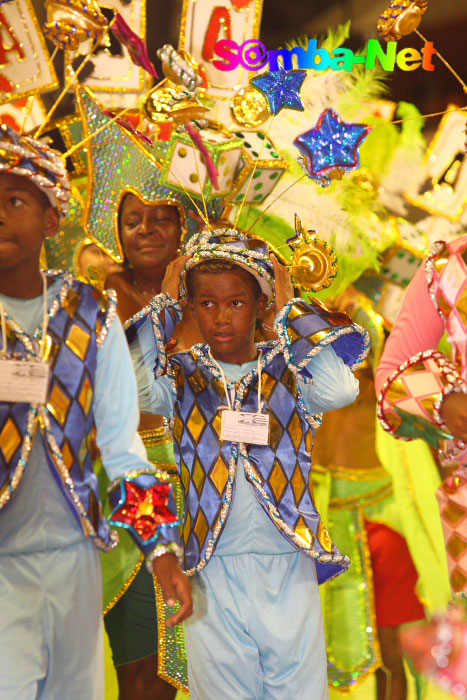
175,586
171,281
454,413
284,287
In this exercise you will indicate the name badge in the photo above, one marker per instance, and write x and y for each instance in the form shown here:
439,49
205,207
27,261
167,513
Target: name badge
24,382
252,428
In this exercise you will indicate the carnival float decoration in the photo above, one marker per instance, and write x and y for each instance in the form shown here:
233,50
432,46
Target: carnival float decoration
222,145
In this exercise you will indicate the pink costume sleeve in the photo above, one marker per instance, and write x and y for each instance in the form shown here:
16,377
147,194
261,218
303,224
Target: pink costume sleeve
413,377
418,327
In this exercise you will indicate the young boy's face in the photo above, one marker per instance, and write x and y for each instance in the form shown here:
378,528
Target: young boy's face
150,233
26,218
226,310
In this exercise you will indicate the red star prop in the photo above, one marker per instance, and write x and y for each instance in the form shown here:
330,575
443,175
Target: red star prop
144,510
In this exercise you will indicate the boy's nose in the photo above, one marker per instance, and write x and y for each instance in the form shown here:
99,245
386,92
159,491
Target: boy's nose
223,316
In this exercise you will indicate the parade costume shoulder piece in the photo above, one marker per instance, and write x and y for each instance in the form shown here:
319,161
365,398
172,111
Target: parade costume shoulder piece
279,471
412,395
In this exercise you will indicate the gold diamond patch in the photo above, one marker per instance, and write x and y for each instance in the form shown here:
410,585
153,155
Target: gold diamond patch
196,423
10,439
201,528
187,528
295,430
71,302
78,340
219,474
278,480
303,532
298,484
198,476
85,397
67,454
275,431
323,537
59,404
197,381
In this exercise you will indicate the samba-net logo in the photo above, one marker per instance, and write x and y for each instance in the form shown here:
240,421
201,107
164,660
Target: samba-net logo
253,55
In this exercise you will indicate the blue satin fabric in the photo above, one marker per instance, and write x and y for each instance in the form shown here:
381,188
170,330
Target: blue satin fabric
333,386
40,515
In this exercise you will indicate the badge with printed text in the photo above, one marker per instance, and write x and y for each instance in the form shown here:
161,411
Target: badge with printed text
252,428
24,382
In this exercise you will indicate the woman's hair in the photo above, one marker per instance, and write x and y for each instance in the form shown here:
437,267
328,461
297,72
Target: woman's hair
217,267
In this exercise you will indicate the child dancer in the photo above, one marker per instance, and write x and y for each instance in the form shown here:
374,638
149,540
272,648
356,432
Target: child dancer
67,390
243,424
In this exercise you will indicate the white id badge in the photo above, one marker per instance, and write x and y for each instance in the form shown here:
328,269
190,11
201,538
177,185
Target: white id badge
251,428
24,382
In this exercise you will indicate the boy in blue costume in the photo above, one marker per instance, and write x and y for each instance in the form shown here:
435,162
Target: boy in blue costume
67,391
243,421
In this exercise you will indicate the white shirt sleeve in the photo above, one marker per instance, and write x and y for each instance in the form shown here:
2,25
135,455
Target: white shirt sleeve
154,395
116,407
334,384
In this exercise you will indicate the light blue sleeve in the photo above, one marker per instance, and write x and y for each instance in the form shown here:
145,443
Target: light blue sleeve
154,395
334,384
116,407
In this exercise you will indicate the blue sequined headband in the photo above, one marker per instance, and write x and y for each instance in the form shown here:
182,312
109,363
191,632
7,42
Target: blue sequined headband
21,155
233,246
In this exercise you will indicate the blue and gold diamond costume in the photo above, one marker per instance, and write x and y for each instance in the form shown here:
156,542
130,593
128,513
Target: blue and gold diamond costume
249,509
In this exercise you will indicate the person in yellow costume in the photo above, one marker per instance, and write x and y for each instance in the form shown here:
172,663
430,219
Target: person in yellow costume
378,499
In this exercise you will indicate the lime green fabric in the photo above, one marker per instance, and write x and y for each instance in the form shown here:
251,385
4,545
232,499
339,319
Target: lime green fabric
415,479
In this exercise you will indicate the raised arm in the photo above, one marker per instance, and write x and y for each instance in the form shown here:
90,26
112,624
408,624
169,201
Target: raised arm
415,381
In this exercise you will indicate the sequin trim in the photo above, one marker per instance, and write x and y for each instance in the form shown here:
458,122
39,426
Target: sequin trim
109,317
340,559
199,351
446,368
22,336
159,550
222,518
280,326
68,484
9,489
162,474
430,275
200,250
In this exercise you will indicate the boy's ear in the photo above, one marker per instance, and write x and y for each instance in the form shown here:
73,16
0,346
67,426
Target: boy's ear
191,305
52,222
261,305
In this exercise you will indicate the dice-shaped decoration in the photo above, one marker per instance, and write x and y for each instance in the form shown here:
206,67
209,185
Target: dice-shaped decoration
185,169
269,169
402,260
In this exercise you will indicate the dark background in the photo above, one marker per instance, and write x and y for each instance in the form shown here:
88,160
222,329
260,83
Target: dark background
444,23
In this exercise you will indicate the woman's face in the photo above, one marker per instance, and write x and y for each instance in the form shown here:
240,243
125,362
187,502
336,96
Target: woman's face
150,233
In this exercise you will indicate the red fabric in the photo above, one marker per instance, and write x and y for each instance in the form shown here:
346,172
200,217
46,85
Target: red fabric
394,577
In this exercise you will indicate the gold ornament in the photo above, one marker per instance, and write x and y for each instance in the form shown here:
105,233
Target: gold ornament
181,68
72,23
249,107
169,102
313,265
401,18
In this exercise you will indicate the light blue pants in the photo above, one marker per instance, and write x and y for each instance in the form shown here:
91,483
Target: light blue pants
257,630
51,630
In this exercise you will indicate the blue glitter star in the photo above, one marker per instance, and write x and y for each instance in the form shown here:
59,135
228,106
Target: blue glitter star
332,144
281,88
